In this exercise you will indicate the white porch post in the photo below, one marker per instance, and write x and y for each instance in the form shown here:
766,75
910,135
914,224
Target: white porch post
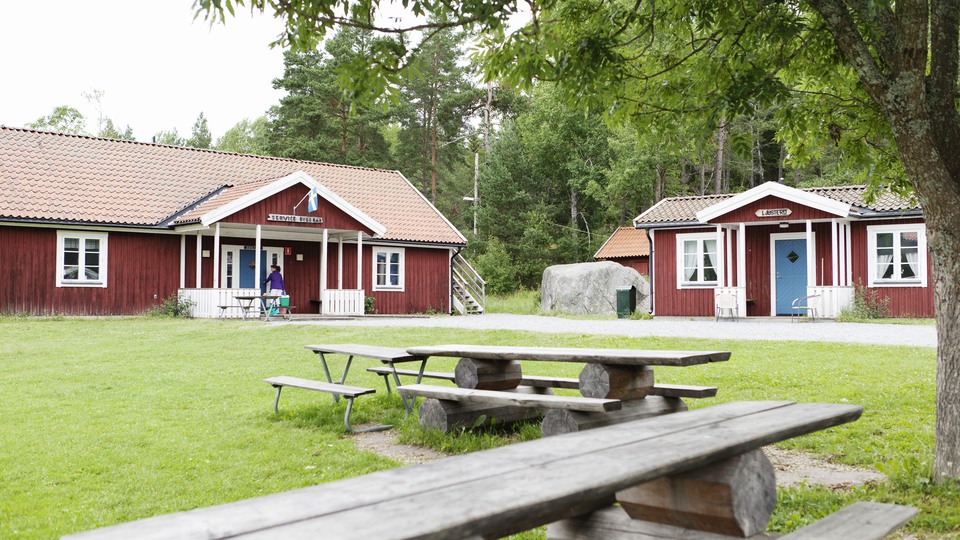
256,260
721,253
216,256
849,256
340,262
360,260
198,258
834,253
742,256
323,269
841,254
183,261
811,257
730,252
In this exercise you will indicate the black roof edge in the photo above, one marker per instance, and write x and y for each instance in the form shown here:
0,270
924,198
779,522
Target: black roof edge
670,225
168,221
68,223
415,243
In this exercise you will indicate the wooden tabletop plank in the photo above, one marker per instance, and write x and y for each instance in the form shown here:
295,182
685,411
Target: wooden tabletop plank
502,504
556,354
863,520
384,354
468,494
469,395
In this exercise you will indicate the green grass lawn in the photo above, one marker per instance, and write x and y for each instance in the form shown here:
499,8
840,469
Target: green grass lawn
110,420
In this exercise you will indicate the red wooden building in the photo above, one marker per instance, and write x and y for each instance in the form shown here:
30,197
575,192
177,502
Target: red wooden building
627,246
99,226
774,244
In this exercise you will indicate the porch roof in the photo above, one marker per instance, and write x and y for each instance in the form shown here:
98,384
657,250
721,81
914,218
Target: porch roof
624,242
61,178
685,210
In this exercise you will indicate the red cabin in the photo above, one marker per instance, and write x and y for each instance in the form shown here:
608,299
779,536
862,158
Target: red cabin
773,246
92,226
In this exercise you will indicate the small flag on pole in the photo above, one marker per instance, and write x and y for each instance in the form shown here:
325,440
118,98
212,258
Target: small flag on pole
312,203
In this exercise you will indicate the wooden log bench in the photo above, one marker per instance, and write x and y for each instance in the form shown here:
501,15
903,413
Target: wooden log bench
348,392
569,383
698,458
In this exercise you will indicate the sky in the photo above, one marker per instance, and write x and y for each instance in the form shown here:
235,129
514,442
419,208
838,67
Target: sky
158,69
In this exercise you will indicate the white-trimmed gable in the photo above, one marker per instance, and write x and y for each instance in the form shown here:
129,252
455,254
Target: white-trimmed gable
829,206
273,188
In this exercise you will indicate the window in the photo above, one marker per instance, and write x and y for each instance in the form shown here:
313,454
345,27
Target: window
387,269
696,260
81,259
897,255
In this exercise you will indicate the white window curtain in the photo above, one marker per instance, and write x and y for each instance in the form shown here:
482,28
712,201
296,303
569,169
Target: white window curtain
912,260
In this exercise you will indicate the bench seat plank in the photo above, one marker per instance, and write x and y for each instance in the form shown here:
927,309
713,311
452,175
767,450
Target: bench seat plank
555,354
569,383
860,520
497,397
498,491
330,388
384,371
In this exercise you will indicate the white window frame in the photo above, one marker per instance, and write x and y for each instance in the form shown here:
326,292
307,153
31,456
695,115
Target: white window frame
873,230
83,236
699,238
402,270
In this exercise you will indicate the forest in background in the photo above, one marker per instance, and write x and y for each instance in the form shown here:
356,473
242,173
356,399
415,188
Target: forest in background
553,181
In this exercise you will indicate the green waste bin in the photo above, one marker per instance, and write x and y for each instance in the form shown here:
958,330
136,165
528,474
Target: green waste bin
626,301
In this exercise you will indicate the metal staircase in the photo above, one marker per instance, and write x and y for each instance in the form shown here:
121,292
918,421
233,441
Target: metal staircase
469,296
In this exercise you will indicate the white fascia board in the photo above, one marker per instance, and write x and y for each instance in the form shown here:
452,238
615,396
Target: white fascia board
298,177
651,209
775,189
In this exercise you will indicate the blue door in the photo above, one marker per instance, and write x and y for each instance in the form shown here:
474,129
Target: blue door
247,279
791,272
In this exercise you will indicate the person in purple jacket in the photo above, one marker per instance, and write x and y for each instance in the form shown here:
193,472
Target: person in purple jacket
274,286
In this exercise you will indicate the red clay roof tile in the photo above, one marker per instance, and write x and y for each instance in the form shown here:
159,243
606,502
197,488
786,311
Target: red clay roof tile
59,177
625,242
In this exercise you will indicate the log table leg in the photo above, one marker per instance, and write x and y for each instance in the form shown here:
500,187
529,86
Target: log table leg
559,421
616,382
734,497
449,415
487,374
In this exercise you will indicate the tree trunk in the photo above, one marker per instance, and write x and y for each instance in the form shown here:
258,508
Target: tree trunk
923,118
574,231
718,166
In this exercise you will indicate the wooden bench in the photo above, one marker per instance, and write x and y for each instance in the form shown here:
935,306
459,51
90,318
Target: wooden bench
503,491
515,399
388,355
348,392
569,383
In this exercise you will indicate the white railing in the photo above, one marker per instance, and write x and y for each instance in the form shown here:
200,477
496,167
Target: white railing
469,289
207,302
832,301
342,302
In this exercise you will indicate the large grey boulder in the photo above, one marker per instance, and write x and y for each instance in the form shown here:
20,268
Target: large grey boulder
590,288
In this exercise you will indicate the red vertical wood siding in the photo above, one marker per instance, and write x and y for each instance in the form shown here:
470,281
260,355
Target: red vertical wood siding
283,203
426,279
640,264
904,301
668,299
142,271
748,213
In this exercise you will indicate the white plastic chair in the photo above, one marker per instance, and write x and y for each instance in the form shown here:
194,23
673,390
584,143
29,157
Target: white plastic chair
804,305
726,302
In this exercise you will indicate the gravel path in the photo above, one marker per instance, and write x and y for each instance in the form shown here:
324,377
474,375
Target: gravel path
744,329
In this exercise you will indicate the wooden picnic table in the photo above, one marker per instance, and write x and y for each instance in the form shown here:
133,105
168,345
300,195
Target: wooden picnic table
608,374
494,493
261,302
388,355
629,357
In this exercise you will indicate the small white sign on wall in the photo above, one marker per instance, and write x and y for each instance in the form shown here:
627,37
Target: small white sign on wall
774,212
